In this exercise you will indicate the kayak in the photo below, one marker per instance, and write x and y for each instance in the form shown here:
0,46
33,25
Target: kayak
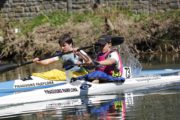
81,88
37,82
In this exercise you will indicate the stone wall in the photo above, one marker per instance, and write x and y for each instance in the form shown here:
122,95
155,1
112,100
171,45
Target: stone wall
14,9
148,6
30,8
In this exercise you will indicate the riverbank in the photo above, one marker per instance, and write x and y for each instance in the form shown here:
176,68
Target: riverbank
143,33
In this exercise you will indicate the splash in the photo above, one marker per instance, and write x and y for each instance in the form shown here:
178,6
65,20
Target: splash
130,60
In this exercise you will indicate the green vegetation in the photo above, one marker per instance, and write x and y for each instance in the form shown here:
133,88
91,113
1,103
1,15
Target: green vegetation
56,18
145,31
59,18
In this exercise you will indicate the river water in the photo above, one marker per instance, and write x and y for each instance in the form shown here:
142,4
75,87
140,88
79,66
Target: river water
159,104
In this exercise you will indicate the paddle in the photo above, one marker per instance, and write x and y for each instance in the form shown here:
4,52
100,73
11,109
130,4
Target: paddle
8,67
115,41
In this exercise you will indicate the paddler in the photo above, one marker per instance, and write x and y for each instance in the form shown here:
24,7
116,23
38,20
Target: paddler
74,58
108,62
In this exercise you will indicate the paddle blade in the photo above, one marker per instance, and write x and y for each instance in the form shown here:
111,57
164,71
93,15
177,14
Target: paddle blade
7,67
117,40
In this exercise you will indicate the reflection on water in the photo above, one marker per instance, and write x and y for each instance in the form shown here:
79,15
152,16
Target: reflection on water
86,108
157,106
162,61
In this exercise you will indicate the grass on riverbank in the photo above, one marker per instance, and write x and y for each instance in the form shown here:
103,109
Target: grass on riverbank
55,19
143,32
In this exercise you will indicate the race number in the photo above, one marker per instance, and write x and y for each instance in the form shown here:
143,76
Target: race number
127,72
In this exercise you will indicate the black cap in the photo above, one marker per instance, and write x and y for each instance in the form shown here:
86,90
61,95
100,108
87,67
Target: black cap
103,40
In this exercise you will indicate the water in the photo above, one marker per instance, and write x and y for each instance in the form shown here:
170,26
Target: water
157,106
154,104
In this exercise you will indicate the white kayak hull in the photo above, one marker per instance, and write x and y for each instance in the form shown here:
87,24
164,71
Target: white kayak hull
31,83
80,88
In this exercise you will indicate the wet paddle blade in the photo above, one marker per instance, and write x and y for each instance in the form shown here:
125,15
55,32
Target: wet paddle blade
117,40
7,67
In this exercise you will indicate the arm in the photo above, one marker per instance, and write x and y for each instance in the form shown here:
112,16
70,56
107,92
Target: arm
82,55
46,61
109,61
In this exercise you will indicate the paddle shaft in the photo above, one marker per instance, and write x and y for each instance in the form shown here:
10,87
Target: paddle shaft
14,66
